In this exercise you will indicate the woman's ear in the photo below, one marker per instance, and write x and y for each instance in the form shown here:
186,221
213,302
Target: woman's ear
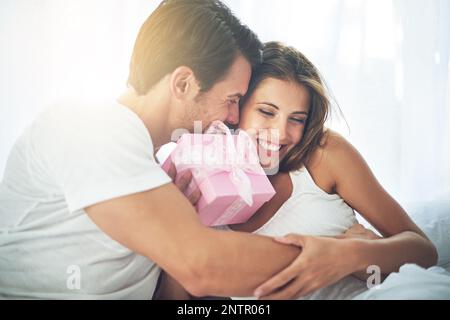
183,83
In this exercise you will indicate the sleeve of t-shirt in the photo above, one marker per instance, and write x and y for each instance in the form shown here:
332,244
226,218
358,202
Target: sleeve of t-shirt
97,154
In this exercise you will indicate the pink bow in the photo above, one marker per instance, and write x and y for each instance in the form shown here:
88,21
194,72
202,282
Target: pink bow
237,156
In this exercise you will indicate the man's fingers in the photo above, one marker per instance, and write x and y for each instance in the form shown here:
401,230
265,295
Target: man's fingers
183,182
290,291
172,172
195,196
278,281
306,290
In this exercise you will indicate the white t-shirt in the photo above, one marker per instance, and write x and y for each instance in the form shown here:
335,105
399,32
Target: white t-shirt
71,157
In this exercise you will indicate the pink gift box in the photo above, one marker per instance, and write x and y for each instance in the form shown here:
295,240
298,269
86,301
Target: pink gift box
222,203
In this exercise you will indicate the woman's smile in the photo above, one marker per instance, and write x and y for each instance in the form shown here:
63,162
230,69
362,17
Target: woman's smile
275,115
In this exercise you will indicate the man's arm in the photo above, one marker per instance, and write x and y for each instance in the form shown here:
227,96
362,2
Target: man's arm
162,225
170,289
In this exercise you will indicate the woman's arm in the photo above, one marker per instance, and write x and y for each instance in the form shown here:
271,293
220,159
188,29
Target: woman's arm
338,168
403,240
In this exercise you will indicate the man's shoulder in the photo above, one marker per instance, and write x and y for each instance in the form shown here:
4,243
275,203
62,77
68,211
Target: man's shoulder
106,109
89,125
85,115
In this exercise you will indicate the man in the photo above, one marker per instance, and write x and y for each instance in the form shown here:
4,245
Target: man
85,210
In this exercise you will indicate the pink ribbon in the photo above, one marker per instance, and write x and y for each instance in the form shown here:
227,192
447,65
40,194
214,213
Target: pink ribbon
204,158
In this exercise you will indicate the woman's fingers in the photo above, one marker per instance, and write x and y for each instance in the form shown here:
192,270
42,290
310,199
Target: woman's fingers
358,227
279,280
359,231
292,239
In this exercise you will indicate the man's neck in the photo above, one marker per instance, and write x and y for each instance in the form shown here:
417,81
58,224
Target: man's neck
152,110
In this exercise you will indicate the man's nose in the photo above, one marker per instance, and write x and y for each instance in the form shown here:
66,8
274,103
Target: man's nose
233,115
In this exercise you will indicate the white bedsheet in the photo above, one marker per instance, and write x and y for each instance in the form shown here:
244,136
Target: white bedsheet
412,283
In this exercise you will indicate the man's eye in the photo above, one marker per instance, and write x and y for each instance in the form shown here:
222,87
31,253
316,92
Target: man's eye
233,102
267,113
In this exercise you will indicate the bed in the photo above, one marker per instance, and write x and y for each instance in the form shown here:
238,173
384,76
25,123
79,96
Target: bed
413,282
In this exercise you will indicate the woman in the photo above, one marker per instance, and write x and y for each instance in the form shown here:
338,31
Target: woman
322,179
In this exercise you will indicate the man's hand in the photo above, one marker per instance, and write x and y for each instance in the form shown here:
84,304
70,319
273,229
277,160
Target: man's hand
162,225
322,262
183,181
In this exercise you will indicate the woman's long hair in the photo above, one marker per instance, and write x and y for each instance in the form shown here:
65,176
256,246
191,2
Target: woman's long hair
287,63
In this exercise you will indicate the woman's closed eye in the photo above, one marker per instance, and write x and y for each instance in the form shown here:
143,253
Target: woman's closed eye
298,120
266,112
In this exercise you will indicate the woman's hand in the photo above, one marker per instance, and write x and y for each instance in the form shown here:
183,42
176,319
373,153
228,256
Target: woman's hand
182,182
358,231
322,262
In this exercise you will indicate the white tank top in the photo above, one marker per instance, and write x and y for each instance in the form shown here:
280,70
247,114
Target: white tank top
309,211
312,211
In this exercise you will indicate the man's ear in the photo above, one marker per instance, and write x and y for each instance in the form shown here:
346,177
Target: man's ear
183,83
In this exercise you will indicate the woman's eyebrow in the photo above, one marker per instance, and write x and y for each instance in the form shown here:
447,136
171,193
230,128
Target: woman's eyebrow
276,107
300,112
269,104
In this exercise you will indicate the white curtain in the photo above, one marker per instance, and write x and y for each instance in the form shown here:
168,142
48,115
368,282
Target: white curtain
386,62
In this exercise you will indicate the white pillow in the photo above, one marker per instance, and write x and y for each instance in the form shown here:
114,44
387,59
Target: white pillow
433,218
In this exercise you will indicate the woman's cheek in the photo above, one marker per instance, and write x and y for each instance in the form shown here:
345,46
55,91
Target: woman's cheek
245,120
299,136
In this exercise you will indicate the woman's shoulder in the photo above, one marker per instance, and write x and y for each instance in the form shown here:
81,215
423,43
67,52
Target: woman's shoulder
325,163
334,142
332,147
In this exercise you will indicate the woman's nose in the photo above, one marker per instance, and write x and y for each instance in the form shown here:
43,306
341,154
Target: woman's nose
280,128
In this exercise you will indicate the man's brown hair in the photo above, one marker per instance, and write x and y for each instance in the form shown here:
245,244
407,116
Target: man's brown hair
203,35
